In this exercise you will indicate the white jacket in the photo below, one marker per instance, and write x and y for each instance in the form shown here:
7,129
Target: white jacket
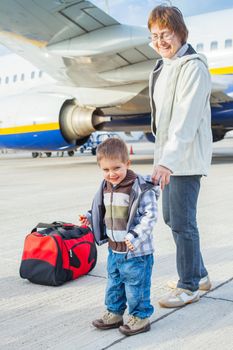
183,137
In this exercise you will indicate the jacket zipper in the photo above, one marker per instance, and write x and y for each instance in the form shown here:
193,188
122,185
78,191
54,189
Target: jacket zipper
111,201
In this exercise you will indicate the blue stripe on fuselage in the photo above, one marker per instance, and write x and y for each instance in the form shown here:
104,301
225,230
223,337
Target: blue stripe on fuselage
51,140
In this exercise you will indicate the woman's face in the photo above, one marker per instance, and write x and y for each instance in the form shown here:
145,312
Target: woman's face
164,41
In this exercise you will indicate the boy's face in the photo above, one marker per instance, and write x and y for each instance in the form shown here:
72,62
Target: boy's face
114,170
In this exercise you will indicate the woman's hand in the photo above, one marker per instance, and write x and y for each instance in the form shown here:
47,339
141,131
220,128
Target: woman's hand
161,176
83,220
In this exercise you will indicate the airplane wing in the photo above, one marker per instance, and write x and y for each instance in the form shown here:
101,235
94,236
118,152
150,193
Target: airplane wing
49,22
100,67
77,43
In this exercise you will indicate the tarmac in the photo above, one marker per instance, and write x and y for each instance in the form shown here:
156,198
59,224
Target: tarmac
58,189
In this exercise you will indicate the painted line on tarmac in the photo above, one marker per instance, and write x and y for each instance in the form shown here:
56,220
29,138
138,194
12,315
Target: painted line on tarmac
217,287
221,299
89,274
169,313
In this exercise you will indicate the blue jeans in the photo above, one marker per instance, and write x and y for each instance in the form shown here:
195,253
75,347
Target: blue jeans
179,212
129,280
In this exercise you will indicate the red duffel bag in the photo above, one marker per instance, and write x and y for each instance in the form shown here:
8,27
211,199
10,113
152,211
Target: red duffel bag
58,252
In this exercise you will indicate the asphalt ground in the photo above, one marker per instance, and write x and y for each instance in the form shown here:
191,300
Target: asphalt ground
58,189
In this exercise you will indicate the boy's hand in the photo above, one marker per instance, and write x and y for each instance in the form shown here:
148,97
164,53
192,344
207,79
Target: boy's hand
83,220
129,244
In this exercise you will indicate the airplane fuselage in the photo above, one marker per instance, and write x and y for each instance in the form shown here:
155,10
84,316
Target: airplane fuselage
99,81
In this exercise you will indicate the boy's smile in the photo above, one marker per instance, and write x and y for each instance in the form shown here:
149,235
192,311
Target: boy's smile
114,170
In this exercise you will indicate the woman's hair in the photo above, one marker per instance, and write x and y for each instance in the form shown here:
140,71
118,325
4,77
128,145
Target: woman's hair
112,148
169,17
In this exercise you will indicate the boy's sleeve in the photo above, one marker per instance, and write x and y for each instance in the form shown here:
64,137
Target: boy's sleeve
148,211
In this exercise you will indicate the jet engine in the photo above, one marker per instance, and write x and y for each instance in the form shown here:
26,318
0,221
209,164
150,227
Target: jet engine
46,122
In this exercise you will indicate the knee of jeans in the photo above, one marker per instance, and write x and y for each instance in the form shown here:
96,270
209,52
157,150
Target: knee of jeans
185,233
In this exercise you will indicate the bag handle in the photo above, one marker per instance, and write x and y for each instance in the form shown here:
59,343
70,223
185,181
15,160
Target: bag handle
45,225
66,230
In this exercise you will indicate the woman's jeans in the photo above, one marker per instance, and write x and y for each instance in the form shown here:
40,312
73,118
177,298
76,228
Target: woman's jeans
129,280
179,212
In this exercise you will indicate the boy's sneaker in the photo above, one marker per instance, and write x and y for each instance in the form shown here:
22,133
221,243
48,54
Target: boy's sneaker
204,284
109,321
135,325
179,297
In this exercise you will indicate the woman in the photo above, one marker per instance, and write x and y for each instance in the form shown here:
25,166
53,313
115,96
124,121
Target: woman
181,119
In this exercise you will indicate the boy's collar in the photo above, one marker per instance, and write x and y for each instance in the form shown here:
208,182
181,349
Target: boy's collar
129,179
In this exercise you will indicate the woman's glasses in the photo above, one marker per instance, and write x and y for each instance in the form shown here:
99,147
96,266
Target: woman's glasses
166,36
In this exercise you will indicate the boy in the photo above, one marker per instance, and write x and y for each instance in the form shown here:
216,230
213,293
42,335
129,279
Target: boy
124,212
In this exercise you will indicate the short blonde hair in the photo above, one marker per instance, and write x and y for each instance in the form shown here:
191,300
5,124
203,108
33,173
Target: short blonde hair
113,148
169,17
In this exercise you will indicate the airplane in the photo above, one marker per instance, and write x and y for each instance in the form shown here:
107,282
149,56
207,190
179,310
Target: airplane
88,72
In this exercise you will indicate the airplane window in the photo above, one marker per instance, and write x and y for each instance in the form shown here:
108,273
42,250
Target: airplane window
213,45
22,77
200,47
228,43
32,75
7,80
15,78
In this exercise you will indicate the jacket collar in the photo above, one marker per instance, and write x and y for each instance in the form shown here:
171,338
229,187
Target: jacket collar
185,50
128,180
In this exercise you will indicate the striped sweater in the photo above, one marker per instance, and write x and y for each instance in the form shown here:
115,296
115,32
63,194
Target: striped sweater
142,216
116,202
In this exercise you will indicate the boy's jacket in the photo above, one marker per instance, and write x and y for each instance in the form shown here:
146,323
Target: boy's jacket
142,216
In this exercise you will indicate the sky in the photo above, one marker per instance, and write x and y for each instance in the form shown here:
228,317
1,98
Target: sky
135,12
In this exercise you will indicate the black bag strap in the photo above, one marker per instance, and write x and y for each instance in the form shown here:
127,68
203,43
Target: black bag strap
45,225
52,225
66,230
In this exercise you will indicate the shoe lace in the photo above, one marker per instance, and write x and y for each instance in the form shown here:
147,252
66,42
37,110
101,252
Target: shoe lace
132,320
107,315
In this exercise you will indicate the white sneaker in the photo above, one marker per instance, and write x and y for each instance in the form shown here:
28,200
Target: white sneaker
204,284
179,297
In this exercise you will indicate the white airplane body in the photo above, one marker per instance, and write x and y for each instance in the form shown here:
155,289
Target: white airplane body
81,71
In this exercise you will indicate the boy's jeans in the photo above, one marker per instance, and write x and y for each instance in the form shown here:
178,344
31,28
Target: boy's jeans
179,212
129,280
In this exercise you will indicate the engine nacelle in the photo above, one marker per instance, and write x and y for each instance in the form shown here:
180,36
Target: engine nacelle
45,122
78,122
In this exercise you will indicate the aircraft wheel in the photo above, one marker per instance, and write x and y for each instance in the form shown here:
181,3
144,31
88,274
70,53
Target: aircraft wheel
93,151
70,153
35,154
48,154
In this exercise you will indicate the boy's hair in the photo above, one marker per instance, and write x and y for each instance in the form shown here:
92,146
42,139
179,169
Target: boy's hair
170,17
112,148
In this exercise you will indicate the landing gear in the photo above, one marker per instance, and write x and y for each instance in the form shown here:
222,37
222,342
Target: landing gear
40,154
49,154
